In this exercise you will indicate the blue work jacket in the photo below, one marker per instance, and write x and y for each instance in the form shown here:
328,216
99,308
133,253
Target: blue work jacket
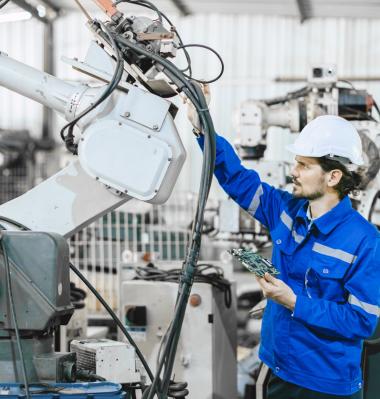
333,266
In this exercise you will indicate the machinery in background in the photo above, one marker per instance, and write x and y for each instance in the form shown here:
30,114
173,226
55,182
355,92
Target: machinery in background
324,94
18,162
207,348
106,359
41,308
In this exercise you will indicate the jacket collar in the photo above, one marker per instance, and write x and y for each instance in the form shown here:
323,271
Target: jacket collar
328,221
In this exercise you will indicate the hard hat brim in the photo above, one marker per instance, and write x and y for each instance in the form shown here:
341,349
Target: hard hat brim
294,149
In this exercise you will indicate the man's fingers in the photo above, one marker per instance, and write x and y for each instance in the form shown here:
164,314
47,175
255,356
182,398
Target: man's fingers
268,277
264,284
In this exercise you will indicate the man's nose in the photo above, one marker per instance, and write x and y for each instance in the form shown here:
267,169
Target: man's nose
294,172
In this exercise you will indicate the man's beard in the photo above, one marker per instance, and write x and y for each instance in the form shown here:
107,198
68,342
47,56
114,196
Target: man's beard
318,193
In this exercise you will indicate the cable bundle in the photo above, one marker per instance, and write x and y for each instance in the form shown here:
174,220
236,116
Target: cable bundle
204,273
77,296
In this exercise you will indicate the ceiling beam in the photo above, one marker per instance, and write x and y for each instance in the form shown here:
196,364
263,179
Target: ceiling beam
51,5
304,9
25,5
181,7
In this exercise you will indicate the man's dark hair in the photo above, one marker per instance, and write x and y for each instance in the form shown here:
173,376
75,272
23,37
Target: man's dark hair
349,182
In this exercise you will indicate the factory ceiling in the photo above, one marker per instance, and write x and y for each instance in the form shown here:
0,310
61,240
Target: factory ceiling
303,9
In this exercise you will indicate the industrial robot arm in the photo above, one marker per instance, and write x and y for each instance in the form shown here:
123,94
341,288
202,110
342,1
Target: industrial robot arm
128,146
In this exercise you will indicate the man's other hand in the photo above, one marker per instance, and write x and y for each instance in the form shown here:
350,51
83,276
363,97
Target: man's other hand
192,113
277,290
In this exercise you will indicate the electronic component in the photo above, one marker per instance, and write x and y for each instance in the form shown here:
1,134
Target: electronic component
255,263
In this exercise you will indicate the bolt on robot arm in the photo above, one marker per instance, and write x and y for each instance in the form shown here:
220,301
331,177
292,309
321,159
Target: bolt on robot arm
128,146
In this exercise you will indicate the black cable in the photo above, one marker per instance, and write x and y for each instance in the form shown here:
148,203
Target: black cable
193,252
290,96
88,375
14,318
173,333
188,58
348,83
213,51
111,86
355,113
214,277
147,4
77,296
17,224
376,107
194,93
142,3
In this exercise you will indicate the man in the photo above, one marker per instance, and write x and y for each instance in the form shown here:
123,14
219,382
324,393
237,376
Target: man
326,299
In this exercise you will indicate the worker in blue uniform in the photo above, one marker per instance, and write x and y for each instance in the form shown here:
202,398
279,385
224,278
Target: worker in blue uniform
325,301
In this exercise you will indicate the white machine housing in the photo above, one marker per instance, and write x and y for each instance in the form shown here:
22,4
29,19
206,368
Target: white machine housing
112,360
206,356
129,147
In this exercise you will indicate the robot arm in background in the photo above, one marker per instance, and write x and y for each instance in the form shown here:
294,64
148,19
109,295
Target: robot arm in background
323,95
128,146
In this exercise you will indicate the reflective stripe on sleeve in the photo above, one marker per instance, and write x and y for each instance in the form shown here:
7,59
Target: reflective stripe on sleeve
335,253
297,237
372,309
255,203
287,220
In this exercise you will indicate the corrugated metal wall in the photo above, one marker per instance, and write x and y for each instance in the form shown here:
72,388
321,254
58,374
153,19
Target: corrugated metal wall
256,50
24,42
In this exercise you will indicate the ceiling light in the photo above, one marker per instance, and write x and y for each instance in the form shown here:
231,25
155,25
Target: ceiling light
15,16
41,11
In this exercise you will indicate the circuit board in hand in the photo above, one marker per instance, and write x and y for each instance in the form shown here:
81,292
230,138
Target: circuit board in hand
254,262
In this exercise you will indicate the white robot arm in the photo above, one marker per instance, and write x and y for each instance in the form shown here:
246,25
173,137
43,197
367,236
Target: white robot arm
128,146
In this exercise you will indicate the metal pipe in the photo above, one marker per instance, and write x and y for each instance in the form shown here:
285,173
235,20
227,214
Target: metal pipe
47,117
299,79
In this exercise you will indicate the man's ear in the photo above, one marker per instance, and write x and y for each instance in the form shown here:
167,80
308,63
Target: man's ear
335,177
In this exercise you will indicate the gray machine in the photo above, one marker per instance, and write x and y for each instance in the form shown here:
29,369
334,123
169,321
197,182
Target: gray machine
39,265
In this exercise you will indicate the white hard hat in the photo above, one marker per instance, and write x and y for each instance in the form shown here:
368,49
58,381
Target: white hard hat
329,135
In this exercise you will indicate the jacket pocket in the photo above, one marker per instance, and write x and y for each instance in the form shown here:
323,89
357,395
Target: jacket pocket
282,239
315,354
324,278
